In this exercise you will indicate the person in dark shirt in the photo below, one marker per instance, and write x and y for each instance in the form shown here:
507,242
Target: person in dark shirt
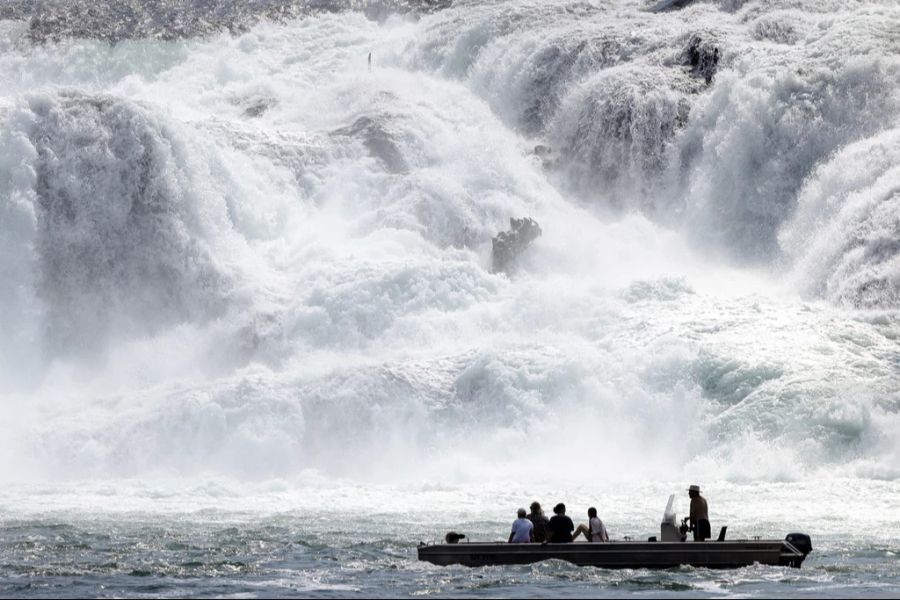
699,515
561,526
541,530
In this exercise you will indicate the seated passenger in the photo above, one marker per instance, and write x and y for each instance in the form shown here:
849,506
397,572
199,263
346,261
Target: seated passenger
594,531
561,526
541,523
521,529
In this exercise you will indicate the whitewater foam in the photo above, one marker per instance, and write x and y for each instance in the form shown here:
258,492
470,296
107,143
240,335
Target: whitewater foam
249,256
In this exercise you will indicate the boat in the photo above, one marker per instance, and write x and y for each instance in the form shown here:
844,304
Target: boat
673,549
625,554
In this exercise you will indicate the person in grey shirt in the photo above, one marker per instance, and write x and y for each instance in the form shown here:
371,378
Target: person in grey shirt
521,529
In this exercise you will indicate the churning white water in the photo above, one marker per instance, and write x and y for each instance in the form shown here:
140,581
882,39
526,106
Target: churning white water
248,265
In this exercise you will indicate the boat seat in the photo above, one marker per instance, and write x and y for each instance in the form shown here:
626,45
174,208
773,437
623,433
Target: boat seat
722,531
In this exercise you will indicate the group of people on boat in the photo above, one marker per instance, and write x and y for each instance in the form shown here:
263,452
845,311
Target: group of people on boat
534,527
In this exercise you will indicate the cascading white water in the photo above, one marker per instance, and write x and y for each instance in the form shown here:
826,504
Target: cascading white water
251,256
843,236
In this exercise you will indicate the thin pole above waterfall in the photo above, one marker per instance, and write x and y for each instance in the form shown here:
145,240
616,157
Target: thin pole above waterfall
370,61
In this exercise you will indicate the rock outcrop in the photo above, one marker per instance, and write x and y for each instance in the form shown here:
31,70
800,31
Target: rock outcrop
703,58
508,245
379,141
117,20
670,5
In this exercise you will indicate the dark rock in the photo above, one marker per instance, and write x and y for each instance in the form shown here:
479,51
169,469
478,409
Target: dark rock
508,245
117,20
545,153
378,141
256,107
703,58
670,5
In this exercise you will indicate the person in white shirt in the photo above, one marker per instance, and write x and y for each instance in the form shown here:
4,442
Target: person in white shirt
521,529
594,531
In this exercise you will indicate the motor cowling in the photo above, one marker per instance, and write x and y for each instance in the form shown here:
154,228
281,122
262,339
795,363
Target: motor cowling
800,541
453,538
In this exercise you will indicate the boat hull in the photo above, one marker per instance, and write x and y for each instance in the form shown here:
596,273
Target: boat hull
619,555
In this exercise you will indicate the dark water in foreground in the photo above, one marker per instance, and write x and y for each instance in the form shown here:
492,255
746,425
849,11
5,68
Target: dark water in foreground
299,555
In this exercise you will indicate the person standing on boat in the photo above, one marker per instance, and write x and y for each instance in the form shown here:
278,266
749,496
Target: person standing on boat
594,531
541,531
521,529
699,515
561,526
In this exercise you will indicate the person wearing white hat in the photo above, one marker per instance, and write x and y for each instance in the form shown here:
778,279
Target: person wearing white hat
699,515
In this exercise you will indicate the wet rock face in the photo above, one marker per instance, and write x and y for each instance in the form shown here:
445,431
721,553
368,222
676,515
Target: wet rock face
703,58
256,107
117,20
378,141
615,130
552,68
508,245
119,226
378,10
665,5
546,155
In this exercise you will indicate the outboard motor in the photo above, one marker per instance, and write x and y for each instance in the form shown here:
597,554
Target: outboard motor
669,531
800,541
453,537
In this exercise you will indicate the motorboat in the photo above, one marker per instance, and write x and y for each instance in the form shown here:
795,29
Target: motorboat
671,549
